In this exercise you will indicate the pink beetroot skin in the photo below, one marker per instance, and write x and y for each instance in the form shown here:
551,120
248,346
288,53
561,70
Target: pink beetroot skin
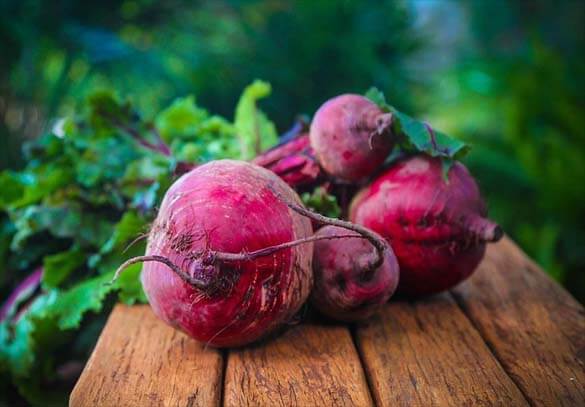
227,207
344,287
438,230
351,137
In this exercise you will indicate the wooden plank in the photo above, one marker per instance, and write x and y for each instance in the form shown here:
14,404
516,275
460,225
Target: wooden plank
309,365
427,353
534,327
140,361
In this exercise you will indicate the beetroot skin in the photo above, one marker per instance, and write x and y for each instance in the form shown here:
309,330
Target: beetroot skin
344,287
351,137
294,161
231,207
438,230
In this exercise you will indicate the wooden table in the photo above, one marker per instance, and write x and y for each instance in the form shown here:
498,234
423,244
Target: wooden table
509,336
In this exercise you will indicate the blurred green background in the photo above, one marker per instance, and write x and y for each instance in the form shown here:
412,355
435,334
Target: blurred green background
507,76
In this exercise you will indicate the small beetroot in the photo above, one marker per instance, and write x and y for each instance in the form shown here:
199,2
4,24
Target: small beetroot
351,136
345,289
437,228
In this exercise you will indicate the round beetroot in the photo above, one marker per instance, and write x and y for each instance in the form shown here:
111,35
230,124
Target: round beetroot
198,277
344,287
437,228
351,136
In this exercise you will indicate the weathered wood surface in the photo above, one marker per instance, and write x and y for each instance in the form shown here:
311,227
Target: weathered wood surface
509,337
533,326
309,365
427,353
139,361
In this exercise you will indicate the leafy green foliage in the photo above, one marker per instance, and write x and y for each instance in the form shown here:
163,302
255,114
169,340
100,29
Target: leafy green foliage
10,188
57,267
180,121
17,350
418,136
6,231
83,205
70,306
255,131
321,201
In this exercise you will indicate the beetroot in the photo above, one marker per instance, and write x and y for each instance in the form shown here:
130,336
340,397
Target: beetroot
351,136
214,266
437,228
371,274
344,287
293,161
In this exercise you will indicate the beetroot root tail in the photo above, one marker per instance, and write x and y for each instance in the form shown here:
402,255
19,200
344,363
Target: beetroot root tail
486,230
161,259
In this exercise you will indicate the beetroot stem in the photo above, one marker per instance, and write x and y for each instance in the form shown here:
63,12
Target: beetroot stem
383,126
212,257
161,259
271,249
378,243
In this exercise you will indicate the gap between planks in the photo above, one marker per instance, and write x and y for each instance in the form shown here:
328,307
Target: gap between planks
308,365
427,353
224,359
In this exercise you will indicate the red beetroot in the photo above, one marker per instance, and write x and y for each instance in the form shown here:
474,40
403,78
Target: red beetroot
351,136
200,276
437,229
345,289
293,161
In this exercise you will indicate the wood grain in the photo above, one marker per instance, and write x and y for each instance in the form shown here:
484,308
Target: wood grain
509,336
534,327
139,361
309,365
427,353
